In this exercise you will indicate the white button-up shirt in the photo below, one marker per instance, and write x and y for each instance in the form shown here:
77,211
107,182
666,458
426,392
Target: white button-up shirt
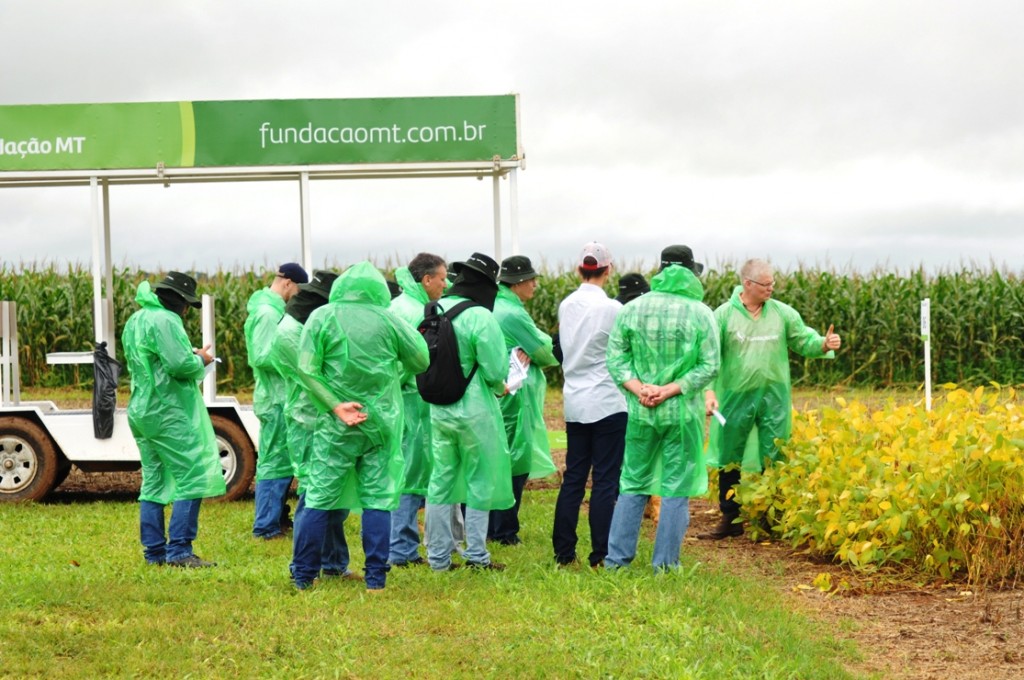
585,320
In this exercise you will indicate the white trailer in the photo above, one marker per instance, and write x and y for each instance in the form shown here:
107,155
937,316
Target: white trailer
39,442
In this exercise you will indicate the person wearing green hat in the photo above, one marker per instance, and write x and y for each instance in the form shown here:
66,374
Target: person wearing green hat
352,354
300,414
170,423
274,465
663,352
523,410
753,389
470,452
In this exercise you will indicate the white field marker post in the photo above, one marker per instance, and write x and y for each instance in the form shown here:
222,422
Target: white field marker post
926,314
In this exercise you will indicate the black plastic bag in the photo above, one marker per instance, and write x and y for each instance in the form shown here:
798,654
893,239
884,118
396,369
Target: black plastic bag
105,370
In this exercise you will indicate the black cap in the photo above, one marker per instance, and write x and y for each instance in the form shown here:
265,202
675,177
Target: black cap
480,263
294,272
321,283
681,255
182,284
632,286
516,269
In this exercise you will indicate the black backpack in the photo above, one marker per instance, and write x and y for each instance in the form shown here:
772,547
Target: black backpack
442,383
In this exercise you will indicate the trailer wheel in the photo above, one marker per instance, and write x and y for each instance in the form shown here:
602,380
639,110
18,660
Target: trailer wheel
237,457
28,461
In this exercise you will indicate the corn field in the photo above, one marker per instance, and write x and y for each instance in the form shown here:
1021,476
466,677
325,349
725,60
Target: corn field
976,323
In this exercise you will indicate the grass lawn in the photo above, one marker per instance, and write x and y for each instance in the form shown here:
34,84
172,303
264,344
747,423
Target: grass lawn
78,601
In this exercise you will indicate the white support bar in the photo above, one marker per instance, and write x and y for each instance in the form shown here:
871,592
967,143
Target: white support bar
69,358
926,335
97,258
209,338
305,218
513,189
109,332
10,371
497,217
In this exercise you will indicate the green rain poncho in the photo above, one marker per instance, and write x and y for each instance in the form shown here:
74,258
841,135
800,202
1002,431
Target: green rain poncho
355,349
265,309
753,387
523,412
166,413
471,461
667,335
409,306
300,414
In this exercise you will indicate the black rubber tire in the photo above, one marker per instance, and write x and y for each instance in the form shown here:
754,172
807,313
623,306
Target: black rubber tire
28,460
234,442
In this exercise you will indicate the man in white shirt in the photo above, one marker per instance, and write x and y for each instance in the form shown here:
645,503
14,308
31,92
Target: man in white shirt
595,410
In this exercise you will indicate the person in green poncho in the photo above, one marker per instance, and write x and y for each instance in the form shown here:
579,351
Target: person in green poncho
471,462
752,392
663,352
274,465
352,354
170,423
300,414
423,281
522,411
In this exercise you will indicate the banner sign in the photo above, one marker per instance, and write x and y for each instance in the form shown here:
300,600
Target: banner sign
256,133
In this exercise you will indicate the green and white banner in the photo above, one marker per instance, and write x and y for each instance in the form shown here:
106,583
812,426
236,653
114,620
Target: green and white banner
254,133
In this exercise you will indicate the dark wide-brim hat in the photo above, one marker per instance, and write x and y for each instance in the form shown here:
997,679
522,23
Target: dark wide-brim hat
516,269
681,255
320,283
632,286
478,262
182,284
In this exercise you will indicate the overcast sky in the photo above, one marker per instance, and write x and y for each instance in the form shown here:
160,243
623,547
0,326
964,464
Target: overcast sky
853,134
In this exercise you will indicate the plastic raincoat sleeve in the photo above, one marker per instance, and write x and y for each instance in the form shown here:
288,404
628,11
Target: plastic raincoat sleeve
313,346
704,370
175,351
519,329
619,352
412,348
801,338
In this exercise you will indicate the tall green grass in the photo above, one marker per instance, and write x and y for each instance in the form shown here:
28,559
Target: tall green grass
977,320
79,602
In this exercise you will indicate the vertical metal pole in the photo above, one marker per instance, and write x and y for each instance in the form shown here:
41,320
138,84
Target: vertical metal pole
5,353
209,338
497,217
307,248
97,256
108,319
926,323
513,189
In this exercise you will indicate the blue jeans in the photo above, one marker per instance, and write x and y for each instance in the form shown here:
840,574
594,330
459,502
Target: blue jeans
311,531
405,531
335,551
270,497
441,541
625,531
183,528
590,447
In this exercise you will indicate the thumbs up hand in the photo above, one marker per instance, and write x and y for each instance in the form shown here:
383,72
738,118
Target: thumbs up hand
832,339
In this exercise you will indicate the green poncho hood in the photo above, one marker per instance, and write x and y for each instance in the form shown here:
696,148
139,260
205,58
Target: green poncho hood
411,286
362,283
678,280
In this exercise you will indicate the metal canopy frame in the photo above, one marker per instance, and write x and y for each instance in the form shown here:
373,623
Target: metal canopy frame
100,182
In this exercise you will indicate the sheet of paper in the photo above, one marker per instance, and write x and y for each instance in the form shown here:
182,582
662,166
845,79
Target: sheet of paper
516,371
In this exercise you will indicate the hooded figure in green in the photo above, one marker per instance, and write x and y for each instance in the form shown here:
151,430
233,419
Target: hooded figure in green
752,392
523,411
274,464
355,350
471,461
423,281
663,352
169,421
